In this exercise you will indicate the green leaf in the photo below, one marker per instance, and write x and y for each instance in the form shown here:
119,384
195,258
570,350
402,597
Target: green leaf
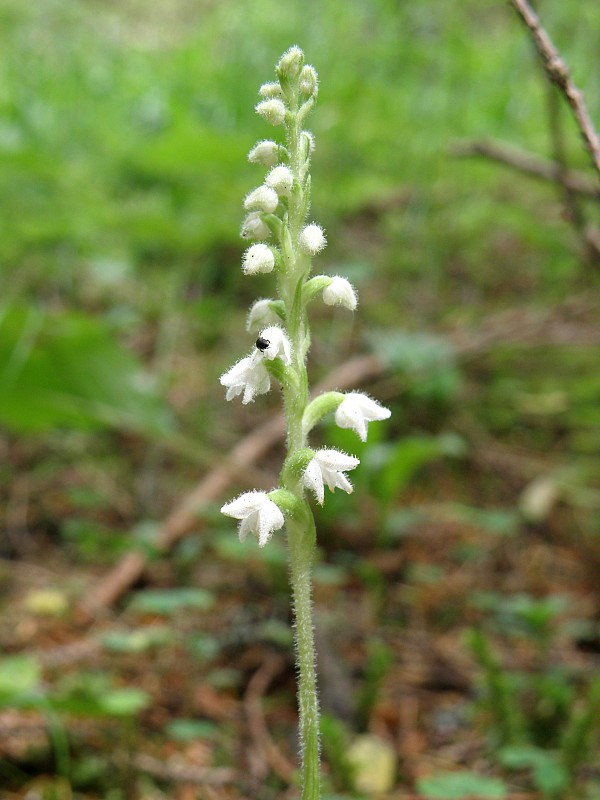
186,730
461,786
169,601
549,775
68,370
124,702
19,675
137,641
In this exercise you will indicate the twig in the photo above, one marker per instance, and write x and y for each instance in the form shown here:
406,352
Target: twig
528,163
558,72
257,687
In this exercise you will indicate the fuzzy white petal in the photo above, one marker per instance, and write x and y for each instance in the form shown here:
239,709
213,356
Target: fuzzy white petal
357,410
312,239
340,292
248,376
262,199
258,258
281,180
260,315
257,514
328,467
279,344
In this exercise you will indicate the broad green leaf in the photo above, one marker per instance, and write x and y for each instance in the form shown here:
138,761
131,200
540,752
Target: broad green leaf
170,601
461,786
68,370
18,675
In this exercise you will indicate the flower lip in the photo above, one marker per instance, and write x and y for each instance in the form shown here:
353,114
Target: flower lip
248,377
257,513
356,410
328,467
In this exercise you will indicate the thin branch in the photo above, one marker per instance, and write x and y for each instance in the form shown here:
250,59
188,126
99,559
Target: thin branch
528,163
558,72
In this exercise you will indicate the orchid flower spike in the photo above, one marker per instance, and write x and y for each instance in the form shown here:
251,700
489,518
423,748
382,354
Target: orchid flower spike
248,376
257,514
328,467
357,410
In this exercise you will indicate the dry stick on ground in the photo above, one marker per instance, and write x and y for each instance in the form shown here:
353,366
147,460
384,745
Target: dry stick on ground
559,74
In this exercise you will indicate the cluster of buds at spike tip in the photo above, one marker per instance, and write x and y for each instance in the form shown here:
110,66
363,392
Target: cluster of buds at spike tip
284,242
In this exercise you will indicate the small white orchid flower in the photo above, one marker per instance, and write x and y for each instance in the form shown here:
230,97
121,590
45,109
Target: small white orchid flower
258,258
340,292
278,344
260,315
281,179
272,110
264,152
257,514
249,376
312,239
357,410
328,467
264,198
253,227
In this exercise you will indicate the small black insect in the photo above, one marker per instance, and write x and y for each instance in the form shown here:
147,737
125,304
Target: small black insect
262,344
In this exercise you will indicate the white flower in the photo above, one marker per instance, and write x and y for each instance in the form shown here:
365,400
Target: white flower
257,514
357,410
291,62
308,80
262,199
278,344
312,239
280,179
258,258
272,110
270,90
253,227
340,292
260,315
264,152
249,376
328,466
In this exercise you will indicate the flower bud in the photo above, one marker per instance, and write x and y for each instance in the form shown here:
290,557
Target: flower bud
262,199
264,152
290,62
258,258
307,142
262,315
253,227
340,292
272,110
308,80
312,239
268,90
280,179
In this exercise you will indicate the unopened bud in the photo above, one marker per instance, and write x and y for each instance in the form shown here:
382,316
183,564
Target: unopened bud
307,141
262,199
258,258
312,239
253,227
261,315
308,80
268,90
264,152
272,110
290,63
340,292
280,179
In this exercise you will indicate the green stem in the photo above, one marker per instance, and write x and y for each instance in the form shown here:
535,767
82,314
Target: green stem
301,532
301,538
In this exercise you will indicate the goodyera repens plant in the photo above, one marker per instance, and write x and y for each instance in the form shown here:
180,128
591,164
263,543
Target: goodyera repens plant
284,244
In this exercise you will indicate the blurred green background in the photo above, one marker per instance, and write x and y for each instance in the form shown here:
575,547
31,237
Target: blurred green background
463,570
